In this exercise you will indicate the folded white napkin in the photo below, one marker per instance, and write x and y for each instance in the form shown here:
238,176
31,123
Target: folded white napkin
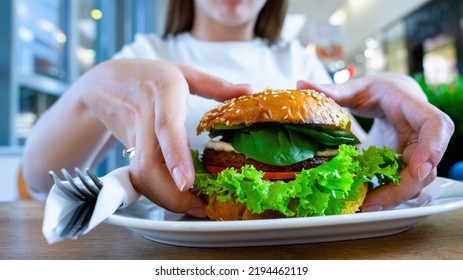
117,193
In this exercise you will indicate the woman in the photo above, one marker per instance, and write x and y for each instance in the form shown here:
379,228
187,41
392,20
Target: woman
142,98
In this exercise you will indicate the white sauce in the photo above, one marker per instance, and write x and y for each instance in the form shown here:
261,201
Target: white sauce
220,146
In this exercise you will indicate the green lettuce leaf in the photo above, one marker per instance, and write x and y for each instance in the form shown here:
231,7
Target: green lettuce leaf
314,192
381,164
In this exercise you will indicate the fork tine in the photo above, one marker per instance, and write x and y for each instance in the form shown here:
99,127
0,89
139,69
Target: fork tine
85,190
85,193
94,178
65,189
89,185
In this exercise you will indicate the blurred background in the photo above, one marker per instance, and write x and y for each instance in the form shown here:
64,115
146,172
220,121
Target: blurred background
47,44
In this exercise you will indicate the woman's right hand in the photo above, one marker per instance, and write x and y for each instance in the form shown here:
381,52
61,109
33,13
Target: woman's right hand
143,104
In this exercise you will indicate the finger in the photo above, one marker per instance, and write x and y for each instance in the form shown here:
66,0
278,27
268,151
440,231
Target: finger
155,182
212,87
435,130
150,176
170,114
170,105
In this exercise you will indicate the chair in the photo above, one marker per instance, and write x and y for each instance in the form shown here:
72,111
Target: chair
23,191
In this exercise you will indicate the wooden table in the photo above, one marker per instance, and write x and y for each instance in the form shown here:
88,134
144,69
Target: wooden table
437,237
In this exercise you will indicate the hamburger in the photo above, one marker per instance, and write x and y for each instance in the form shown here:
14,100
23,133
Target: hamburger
285,153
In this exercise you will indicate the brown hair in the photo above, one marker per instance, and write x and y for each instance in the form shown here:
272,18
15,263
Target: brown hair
269,22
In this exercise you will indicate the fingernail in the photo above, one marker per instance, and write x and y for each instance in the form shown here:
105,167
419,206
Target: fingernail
424,171
372,208
179,178
196,212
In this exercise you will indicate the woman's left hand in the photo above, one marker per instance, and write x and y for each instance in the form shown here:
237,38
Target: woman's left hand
404,121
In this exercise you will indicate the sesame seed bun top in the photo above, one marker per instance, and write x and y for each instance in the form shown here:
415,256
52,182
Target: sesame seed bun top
283,106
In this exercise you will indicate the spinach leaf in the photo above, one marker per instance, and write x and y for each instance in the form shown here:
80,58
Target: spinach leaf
273,145
326,136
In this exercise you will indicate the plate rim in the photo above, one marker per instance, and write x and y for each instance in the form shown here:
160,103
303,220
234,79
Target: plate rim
290,223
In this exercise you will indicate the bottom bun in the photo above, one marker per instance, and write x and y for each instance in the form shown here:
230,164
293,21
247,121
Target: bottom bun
229,211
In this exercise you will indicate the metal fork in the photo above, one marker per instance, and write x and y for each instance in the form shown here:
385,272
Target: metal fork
85,191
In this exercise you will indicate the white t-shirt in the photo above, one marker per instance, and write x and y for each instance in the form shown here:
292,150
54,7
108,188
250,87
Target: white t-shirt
253,62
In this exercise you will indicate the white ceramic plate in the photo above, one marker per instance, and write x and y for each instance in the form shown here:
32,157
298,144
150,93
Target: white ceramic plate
159,225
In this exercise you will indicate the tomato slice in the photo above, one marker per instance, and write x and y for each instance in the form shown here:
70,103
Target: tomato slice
279,175
267,175
216,169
